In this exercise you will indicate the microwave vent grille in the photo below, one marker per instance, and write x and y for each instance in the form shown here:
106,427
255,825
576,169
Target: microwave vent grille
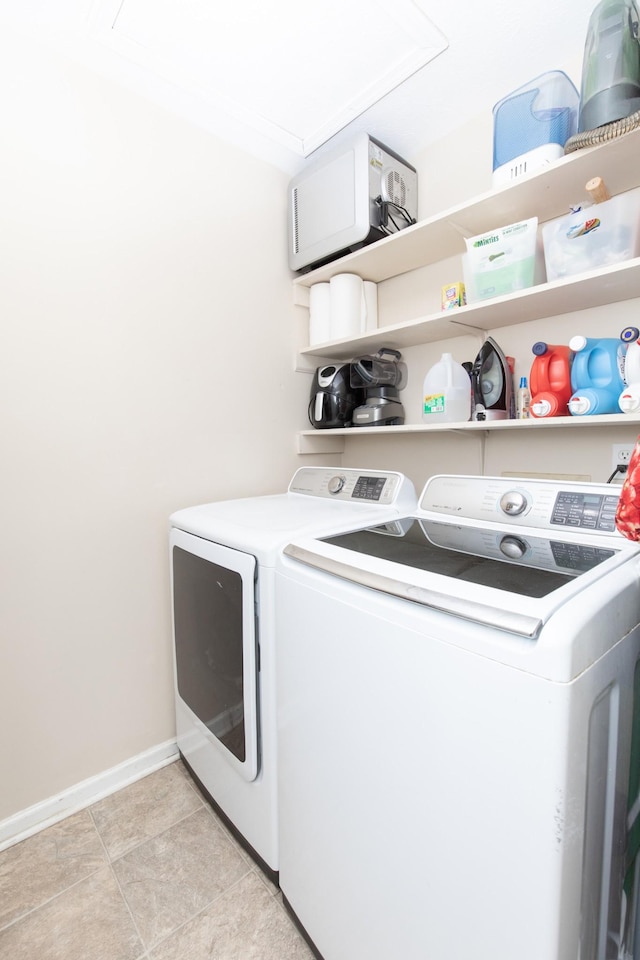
395,188
294,206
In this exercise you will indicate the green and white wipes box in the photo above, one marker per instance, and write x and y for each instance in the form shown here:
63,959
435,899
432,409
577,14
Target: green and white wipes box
503,261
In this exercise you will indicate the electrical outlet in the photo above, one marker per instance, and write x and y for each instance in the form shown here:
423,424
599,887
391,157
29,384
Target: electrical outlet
621,454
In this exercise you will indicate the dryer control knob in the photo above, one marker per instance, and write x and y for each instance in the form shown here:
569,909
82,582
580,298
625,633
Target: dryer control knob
336,484
513,547
513,503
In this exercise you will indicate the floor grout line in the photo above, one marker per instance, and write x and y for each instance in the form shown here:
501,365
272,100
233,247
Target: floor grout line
194,916
143,955
122,893
127,924
145,949
111,863
151,836
108,862
56,896
154,836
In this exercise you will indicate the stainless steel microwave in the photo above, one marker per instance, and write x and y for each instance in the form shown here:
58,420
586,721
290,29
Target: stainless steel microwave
348,198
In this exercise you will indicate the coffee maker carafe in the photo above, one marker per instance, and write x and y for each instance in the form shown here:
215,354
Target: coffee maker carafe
381,377
333,398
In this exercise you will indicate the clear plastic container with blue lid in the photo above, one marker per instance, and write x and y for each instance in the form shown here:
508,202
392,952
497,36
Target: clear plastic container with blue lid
532,125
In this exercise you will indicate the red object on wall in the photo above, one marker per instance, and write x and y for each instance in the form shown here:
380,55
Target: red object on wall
628,512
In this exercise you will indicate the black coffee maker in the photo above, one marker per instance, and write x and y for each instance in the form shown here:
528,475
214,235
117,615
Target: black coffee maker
382,377
333,399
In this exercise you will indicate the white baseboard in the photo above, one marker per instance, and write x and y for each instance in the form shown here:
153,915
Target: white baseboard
27,822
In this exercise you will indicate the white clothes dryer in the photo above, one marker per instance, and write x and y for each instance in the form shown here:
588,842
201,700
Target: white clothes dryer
222,580
458,728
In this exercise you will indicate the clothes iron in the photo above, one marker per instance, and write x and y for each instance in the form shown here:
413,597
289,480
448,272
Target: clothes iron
492,384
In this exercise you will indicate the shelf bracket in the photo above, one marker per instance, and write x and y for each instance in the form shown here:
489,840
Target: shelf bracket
322,443
480,331
308,363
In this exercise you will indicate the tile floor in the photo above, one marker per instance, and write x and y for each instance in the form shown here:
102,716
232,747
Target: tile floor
149,873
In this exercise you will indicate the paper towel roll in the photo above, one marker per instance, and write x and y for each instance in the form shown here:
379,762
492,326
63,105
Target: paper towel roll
319,313
348,306
371,300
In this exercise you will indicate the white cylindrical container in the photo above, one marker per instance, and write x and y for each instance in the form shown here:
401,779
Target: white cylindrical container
371,301
632,363
446,393
319,313
348,306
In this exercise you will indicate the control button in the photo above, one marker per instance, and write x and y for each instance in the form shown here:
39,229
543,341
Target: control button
336,484
513,547
368,488
513,503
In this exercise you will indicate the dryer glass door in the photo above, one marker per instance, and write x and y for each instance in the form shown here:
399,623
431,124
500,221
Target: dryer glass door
215,644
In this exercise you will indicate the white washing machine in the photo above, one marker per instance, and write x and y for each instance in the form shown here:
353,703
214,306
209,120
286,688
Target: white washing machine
456,693
222,578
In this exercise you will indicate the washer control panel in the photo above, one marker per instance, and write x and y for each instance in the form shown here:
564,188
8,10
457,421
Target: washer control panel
547,504
589,511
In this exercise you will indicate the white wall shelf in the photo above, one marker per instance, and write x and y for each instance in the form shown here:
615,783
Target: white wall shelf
620,281
477,426
545,194
328,441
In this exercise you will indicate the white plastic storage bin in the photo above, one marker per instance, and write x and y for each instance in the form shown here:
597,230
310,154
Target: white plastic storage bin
595,236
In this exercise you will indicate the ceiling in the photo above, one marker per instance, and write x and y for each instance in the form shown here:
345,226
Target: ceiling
285,79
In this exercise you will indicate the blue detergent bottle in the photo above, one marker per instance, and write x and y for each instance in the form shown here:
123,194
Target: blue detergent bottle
596,375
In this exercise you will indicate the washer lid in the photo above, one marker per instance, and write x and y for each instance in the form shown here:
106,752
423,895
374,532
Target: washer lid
511,581
518,561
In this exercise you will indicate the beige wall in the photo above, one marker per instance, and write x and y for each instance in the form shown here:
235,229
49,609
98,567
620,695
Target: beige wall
145,365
